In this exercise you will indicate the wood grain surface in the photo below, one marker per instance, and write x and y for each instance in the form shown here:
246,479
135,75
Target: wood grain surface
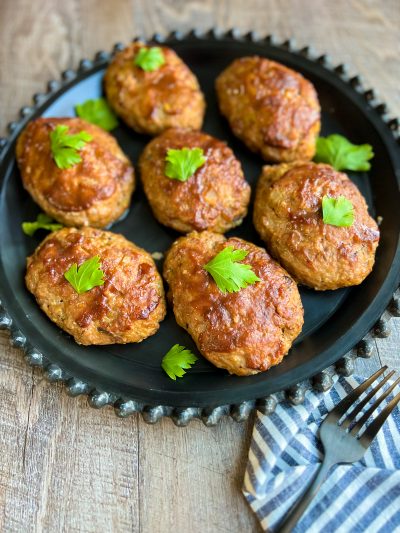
63,465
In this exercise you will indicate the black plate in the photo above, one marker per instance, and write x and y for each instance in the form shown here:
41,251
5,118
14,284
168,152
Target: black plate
334,321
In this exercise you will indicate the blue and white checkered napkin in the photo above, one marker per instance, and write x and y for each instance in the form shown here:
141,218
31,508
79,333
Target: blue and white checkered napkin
283,457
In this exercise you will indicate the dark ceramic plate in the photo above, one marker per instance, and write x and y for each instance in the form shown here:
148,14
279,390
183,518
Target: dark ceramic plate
131,375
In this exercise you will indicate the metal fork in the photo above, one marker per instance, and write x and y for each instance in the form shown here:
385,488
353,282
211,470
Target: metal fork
342,440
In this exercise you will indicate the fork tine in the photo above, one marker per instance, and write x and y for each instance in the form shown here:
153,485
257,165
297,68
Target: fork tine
359,407
373,407
371,431
348,400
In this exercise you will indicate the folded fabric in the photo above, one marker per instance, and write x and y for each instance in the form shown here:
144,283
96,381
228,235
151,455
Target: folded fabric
284,456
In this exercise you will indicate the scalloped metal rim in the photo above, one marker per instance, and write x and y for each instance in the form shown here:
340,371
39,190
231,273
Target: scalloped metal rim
209,415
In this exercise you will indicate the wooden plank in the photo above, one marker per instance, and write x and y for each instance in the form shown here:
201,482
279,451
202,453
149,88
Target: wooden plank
191,478
389,348
369,365
63,466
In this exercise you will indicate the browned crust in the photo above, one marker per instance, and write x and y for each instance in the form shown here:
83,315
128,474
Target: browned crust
244,332
214,198
127,308
288,217
94,192
271,108
151,102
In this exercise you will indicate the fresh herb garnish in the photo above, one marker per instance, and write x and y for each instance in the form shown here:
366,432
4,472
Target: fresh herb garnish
337,151
337,211
97,112
65,148
149,59
176,360
182,164
228,273
87,276
42,222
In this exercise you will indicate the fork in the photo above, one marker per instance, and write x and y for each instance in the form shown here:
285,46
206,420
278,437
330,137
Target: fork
341,437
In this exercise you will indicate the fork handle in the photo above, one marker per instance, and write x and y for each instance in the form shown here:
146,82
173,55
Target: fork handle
297,511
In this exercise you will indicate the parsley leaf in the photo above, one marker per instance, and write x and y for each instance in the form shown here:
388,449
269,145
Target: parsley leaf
337,211
182,164
65,148
149,59
228,273
97,112
42,222
342,154
87,276
176,360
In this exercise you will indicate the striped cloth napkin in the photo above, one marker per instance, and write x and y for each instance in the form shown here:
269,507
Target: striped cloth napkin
284,456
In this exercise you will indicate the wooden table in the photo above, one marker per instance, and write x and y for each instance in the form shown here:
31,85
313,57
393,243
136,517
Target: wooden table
63,465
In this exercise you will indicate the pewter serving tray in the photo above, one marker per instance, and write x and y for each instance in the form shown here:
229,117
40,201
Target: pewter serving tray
129,377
